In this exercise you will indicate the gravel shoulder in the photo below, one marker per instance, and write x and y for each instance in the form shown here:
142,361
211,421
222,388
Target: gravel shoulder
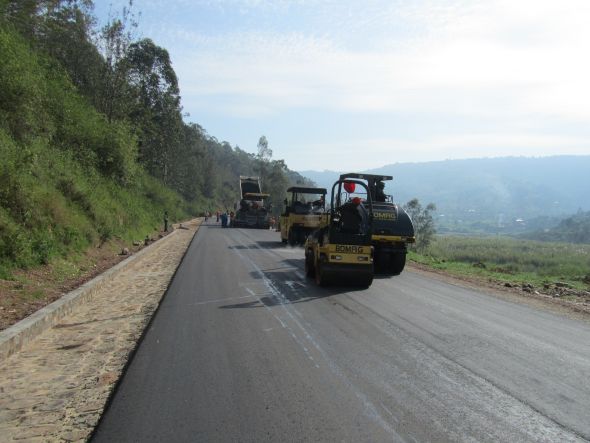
56,387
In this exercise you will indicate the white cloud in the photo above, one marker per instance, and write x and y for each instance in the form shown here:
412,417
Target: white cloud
508,65
467,63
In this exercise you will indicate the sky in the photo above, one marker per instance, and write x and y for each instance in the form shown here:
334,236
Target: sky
352,85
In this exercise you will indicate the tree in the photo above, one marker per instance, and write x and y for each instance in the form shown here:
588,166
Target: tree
263,158
157,111
423,222
276,184
114,42
62,29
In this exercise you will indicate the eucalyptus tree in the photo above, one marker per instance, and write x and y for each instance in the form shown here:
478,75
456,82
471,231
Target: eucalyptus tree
156,113
423,222
114,41
263,158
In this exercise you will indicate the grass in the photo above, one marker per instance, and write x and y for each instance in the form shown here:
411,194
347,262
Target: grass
509,260
52,207
36,294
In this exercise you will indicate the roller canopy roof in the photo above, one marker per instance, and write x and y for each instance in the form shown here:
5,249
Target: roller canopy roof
354,175
302,190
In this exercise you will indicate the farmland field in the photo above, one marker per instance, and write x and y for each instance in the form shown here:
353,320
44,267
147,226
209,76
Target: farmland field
510,260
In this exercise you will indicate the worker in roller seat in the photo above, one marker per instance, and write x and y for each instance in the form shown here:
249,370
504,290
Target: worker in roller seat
351,216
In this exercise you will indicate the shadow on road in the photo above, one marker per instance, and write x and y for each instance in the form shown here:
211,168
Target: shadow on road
266,244
283,288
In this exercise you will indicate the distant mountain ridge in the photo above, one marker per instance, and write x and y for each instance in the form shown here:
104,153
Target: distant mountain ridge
489,191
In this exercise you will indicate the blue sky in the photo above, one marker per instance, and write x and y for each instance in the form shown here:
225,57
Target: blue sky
350,85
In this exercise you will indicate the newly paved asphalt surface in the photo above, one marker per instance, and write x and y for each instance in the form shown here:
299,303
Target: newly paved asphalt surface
245,348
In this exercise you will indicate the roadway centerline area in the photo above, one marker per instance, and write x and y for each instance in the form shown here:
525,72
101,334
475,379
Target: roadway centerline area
245,348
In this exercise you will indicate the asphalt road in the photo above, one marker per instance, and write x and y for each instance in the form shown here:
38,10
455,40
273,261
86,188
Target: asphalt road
245,348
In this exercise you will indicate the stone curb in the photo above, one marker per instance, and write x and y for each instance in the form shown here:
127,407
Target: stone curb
16,336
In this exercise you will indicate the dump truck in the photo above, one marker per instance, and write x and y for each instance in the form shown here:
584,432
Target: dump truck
251,210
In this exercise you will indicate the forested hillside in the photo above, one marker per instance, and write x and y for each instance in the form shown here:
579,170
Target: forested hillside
92,139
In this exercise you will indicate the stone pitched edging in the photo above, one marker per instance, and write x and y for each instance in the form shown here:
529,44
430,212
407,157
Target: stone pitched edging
16,336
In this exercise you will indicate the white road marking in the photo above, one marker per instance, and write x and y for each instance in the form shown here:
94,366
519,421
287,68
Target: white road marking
222,300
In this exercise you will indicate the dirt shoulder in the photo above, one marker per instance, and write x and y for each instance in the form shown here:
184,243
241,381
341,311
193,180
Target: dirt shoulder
33,289
555,297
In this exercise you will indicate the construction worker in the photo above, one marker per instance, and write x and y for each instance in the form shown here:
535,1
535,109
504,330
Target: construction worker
379,192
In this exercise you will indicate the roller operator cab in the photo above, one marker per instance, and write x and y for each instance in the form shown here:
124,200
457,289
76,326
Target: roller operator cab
305,208
392,228
340,250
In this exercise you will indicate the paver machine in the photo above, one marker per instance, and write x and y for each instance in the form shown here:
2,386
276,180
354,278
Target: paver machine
250,210
392,228
340,250
304,210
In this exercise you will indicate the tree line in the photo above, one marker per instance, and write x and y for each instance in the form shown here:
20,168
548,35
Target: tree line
131,82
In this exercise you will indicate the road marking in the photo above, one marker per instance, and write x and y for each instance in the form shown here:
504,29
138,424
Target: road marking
273,254
295,285
222,300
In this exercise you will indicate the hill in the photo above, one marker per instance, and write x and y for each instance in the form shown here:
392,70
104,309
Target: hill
93,144
491,194
68,178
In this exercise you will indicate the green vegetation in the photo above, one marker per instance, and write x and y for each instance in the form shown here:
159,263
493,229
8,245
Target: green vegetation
93,145
50,205
574,229
509,260
68,178
423,222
